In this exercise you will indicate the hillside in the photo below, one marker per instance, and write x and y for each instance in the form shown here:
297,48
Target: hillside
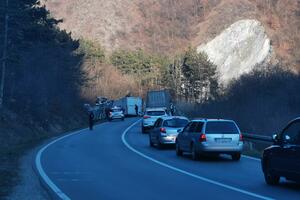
168,26
41,85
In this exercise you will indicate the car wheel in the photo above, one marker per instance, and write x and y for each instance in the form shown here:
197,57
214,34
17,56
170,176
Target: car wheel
236,156
179,152
270,178
123,119
150,141
159,144
195,154
143,130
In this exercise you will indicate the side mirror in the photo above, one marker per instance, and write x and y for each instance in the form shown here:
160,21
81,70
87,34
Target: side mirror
287,138
179,130
275,138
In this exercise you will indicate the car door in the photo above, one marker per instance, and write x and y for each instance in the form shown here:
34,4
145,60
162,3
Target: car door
286,159
189,136
153,131
156,129
296,151
182,137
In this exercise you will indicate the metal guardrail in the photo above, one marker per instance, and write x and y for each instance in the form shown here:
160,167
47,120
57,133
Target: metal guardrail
262,138
246,136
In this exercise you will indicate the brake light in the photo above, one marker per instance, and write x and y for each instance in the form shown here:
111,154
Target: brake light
110,113
146,117
163,130
202,138
241,138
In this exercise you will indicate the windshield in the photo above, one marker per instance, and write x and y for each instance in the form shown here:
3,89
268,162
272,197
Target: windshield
176,123
155,113
221,127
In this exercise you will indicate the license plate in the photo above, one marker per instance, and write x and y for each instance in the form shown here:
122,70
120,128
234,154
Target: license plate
223,140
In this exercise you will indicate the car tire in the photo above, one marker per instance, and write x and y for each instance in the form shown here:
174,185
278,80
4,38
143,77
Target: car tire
143,130
179,152
194,153
271,178
123,119
236,156
159,144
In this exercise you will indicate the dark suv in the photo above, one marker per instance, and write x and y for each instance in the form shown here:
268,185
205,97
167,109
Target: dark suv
282,159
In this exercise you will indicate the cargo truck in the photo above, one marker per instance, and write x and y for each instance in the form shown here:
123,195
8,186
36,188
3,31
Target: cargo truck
158,99
157,105
128,104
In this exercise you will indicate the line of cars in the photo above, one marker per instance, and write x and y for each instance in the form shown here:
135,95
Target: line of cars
198,137
220,136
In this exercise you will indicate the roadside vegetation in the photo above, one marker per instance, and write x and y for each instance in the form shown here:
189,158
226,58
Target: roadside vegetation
50,76
42,85
262,102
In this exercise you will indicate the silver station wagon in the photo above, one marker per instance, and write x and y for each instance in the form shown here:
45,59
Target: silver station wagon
210,136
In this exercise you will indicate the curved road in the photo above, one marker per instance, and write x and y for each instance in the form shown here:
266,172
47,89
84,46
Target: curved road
115,162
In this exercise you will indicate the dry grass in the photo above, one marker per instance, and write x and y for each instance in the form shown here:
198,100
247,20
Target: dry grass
170,26
106,80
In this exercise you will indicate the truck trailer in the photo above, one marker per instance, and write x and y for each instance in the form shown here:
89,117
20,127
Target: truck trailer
128,104
158,99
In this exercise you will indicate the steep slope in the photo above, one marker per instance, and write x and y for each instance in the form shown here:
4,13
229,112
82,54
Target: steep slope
168,26
280,18
238,49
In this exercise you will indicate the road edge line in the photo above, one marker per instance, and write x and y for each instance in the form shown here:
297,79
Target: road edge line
186,172
251,158
42,173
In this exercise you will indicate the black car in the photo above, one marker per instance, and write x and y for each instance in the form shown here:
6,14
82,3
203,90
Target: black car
282,159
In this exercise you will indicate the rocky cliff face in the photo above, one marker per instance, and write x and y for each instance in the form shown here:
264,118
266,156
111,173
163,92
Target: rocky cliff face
238,49
170,26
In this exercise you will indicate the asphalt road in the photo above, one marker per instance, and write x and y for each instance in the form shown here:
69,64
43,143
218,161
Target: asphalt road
116,162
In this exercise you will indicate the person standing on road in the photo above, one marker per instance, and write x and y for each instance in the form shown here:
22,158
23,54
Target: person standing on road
172,108
107,111
91,120
136,110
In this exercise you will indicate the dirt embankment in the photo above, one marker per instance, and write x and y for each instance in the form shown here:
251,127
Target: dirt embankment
19,134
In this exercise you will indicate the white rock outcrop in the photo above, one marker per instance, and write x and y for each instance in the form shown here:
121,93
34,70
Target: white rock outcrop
238,49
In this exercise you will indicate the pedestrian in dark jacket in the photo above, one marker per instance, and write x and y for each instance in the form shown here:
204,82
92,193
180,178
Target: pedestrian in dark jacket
107,111
136,110
91,120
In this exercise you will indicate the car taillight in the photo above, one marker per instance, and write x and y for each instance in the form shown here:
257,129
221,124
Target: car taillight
110,113
202,138
146,117
163,130
241,138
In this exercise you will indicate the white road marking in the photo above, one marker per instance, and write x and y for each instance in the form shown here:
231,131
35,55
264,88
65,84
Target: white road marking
186,172
43,174
251,158
63,196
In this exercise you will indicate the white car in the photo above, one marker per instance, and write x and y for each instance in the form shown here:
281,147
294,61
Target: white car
150,117
116,113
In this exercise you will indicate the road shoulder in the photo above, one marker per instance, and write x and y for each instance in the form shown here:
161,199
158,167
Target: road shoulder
29,186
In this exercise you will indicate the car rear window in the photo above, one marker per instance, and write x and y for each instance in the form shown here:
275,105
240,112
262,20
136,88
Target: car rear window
155,113
175,123
116,110
221,127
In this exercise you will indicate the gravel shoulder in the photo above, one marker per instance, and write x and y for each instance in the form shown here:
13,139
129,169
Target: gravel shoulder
29,186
